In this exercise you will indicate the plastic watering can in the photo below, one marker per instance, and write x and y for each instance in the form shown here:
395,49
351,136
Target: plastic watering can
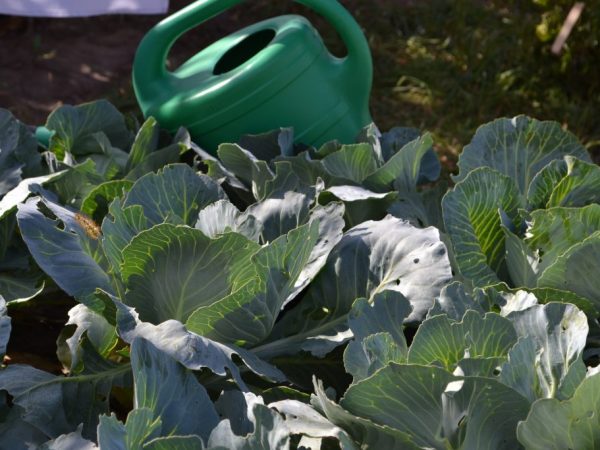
272,74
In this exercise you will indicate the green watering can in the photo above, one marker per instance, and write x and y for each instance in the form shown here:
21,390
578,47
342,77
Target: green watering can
276,73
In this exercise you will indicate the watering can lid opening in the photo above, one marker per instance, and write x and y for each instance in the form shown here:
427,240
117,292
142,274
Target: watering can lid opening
244,51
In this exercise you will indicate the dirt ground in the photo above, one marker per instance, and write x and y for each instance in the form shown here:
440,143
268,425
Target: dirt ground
48,62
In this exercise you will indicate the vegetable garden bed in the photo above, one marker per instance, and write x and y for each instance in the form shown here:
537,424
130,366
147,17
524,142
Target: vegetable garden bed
278,296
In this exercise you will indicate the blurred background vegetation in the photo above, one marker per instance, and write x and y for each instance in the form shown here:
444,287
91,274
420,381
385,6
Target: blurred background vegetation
446,66
450,66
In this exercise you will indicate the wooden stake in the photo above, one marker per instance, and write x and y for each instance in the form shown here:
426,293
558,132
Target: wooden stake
567,27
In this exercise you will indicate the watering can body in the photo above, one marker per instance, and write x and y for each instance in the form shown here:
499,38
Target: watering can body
276,73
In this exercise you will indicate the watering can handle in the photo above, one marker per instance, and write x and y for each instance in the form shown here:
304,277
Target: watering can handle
149,64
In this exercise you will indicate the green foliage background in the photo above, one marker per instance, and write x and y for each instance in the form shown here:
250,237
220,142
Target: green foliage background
449,66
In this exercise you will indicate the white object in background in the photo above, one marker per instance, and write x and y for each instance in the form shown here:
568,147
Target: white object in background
81,8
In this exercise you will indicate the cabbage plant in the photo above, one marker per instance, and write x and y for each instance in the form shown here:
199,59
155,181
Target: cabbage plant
278,296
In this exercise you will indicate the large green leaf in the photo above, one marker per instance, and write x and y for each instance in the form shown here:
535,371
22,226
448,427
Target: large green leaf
267,146
365,357
191,350
145,142
308,170
23,190
481,413
437,409
522,261
378,334
141,426
474,224
423,208
569,424
440,340
19,286
101,334
543,183
518,148
361,204
320,321
16,433
331,225
269,432
218,172
146,155
102,195
351,162
66,248
580,185
430,168
286,179
223,216
281,213
119,227
19,156
365,432
402,170
550,365
553,231
393,140
174,192
157,160
109,160
53,404
301,419
546,295
253,172
373,257
248,314
170,271
13,252
454,302
171,392
566,182
74,128
74,184
572,270
387,314
519,370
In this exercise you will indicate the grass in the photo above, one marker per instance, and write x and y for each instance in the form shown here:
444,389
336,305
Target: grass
463,63
450,66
